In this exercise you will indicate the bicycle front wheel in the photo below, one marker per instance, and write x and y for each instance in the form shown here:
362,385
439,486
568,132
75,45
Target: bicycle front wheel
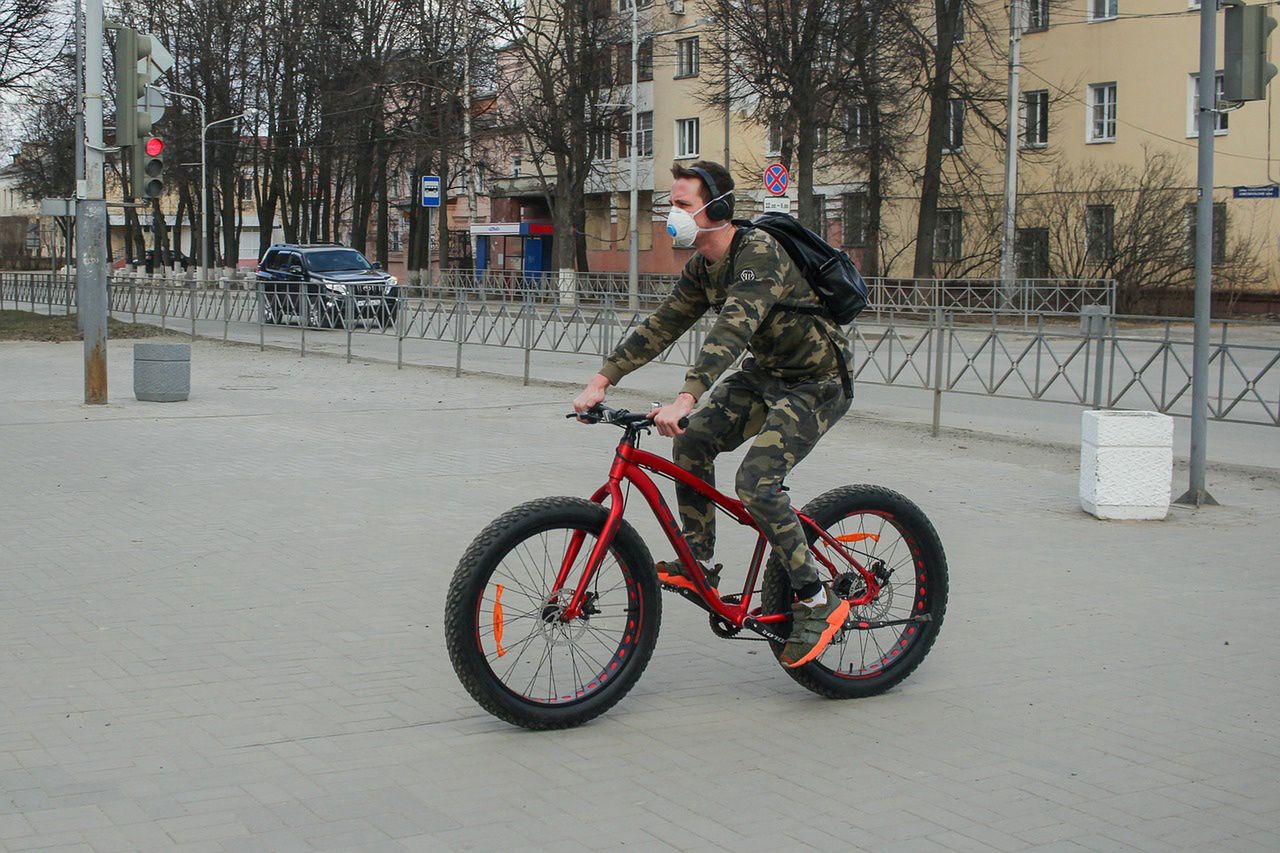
889,535
509,645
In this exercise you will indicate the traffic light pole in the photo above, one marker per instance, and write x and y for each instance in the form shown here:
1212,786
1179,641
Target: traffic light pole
91,217
1197,495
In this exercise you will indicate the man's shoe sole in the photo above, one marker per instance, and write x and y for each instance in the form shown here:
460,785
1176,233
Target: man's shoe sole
835,620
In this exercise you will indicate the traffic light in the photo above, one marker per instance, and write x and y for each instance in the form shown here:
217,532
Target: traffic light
148,168
132,50
1247,71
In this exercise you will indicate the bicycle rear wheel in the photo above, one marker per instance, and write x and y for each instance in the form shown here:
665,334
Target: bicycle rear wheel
890,535
506,640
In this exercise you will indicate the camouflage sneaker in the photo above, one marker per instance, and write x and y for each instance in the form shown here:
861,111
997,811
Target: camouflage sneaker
672,574
812,629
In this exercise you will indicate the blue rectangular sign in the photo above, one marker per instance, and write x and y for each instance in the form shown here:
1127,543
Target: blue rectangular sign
430,190
1266,191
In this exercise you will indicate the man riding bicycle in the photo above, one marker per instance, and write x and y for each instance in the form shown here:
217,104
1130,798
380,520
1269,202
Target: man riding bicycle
787,395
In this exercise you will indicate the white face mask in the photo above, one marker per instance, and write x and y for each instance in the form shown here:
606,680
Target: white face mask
682,227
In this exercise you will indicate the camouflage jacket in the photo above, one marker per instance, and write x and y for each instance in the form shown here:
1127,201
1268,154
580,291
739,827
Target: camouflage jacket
788,345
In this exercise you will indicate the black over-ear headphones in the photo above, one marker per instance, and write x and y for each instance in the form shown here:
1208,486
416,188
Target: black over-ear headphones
719,209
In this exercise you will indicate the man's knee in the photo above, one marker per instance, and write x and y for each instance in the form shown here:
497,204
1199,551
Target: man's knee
758,491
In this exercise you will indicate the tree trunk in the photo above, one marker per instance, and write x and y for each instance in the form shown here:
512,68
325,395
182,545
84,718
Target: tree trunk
947,12
384,222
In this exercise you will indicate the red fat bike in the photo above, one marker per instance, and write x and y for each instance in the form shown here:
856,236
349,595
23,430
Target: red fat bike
553,610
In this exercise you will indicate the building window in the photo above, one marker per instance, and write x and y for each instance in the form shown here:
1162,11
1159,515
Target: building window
602,143
1102,112
1193,105
1037,16
857,125
644,131
393,238
774,142
686,137
1035,118
954,140
1032,252
1099,233
1103,10
625,5
1219,233
855,220
687,57
948,234
822,139
516,163
645,60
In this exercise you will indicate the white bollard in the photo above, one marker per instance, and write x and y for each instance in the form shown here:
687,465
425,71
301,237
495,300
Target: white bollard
1126,464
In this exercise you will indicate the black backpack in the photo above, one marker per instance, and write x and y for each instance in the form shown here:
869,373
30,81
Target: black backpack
829,271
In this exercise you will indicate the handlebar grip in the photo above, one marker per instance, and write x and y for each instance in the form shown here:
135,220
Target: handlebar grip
683,423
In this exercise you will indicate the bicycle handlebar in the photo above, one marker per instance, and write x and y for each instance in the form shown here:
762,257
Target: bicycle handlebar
601,414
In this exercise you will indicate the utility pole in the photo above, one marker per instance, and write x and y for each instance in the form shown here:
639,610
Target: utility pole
633,249
473,196
1008,238
1197,494
91,216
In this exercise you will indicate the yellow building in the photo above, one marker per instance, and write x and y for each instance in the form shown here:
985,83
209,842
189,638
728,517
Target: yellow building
1107,100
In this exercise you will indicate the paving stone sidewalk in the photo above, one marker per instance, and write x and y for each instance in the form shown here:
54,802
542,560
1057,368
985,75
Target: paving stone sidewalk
222,631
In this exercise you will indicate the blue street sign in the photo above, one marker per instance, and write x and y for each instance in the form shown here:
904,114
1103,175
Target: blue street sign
430,190
1266,191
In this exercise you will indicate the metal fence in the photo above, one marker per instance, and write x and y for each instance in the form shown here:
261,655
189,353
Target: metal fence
939,336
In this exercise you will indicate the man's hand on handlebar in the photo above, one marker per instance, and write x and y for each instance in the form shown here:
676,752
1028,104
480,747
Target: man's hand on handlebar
671,419
592,395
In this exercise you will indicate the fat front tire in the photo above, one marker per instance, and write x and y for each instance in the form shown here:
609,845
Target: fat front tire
886,530
513,655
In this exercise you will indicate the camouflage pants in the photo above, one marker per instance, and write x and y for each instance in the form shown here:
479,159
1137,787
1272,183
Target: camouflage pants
787,419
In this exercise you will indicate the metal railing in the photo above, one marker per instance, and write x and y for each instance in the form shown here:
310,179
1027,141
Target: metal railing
955,341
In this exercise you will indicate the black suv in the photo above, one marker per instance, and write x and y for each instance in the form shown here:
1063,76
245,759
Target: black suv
324,284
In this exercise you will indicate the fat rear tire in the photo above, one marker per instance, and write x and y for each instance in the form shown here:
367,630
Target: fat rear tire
928,561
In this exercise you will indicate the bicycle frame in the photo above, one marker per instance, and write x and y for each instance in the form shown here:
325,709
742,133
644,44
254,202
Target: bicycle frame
630,464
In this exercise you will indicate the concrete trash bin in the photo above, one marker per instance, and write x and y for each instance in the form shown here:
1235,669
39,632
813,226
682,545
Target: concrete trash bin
162,372
1126,464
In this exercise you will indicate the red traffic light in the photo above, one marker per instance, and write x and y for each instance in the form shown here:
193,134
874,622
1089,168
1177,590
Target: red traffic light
155,147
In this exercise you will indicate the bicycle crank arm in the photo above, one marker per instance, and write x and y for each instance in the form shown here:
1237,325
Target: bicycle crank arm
862,625
766,631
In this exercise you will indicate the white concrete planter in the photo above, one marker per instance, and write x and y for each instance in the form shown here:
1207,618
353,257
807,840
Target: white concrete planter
162,372
1126,464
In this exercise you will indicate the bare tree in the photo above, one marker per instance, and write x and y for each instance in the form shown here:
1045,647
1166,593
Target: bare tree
794,58
1135,226
557,100
30,42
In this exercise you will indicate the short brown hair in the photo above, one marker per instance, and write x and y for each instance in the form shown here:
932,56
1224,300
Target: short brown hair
718,173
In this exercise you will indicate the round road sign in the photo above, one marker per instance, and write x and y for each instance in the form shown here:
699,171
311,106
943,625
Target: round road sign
776,179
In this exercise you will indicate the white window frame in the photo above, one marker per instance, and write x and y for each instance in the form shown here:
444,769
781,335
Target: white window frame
1221,124
1040,5
683,126
857,123
1025,141
1091,107
644,134
1111,10
687,57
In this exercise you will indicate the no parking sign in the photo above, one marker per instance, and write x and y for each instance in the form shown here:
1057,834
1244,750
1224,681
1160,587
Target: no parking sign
776,179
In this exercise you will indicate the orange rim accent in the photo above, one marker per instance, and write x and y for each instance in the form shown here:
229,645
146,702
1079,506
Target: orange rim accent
497,620
858,537
834,621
